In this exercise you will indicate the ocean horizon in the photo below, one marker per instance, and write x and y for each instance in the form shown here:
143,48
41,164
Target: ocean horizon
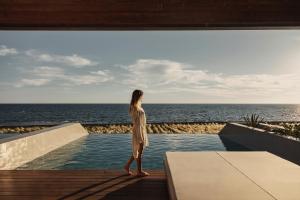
116,113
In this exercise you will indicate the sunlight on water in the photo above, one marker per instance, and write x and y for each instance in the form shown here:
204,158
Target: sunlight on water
99,151
118,113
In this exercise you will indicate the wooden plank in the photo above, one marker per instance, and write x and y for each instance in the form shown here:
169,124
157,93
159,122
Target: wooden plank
81,184
148,14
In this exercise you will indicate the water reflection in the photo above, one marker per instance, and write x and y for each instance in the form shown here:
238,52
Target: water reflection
111,151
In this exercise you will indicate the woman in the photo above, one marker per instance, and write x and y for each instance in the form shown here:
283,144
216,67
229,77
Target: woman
139,134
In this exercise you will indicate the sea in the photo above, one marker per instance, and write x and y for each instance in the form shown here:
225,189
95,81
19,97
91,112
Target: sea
40,114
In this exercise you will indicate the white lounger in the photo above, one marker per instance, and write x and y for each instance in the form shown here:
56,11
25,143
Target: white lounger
231,175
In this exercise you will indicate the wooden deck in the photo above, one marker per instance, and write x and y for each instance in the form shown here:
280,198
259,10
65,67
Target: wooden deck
81,184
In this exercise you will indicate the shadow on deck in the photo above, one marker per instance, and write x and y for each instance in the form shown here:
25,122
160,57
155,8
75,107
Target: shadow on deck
81,184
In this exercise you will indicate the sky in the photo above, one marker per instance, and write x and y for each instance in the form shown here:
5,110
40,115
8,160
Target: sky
245,66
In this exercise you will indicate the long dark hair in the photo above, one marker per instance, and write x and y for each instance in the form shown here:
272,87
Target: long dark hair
136,95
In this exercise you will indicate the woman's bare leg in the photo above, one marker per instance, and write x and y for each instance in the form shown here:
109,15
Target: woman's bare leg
127,166
139,162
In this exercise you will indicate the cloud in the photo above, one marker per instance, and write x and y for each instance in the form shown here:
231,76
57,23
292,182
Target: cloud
175,78
4,51
32,82
151,72
260,81
46,71
71,60
100,72
157,76
42,73
86,79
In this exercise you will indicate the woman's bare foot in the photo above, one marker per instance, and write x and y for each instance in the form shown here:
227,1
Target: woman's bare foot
142,173
126,168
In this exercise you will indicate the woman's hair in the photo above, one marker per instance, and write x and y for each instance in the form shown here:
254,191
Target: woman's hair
136,95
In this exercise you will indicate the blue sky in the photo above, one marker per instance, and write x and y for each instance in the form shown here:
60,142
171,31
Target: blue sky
170,66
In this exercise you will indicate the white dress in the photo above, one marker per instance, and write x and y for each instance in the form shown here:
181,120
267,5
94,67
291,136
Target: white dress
139,132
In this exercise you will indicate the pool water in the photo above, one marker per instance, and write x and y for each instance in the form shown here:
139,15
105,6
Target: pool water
4,135
101,151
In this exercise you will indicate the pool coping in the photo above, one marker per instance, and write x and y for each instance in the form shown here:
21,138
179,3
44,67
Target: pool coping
20,149
22,135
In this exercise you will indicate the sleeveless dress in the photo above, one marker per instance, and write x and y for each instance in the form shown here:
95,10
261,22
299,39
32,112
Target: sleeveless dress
139,132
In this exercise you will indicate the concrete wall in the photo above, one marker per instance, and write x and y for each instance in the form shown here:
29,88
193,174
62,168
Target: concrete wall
261,140
18,150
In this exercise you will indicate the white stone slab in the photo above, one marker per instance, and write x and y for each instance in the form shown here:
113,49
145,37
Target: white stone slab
206,175
277,176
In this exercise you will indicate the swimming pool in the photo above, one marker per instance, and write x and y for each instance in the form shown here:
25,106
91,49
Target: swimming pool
111,151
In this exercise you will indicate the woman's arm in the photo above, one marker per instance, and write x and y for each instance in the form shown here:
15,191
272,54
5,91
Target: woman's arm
140,126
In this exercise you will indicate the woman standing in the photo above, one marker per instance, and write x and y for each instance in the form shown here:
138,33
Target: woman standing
139,133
